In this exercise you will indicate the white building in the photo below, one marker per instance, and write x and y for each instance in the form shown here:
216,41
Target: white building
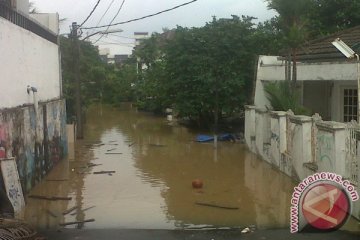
139,37
300,145
326,78
32,110
30,56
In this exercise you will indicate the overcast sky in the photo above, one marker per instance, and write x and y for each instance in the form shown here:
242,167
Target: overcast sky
193,15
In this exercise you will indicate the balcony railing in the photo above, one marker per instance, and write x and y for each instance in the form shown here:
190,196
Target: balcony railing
26,23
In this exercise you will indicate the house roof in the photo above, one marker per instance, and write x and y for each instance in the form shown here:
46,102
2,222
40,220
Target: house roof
322,49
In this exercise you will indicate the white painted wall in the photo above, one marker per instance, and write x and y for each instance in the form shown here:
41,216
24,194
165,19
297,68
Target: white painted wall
47,20
294,137
334,76
26,59
22,6
271,69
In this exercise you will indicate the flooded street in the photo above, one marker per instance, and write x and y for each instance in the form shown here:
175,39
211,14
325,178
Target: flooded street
154,164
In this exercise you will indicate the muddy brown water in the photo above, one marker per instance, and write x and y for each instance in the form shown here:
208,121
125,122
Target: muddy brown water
154,163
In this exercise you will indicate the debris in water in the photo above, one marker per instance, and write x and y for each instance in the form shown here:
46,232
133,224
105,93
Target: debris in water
197,183
112,149
131,144
51,213
49,198
246,230
89,165
57,180
112,153
70,210
82,210
216,206
77,222
104,172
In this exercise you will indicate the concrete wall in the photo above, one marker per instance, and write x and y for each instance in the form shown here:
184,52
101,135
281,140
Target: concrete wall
22,6
301,145
322,84
271,69
47,20
27,59
35,137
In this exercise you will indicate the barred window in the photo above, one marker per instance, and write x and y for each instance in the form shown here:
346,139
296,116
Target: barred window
350,105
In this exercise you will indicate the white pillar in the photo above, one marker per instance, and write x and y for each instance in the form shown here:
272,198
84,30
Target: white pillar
331,149
260,132
250,127
277,136
300,138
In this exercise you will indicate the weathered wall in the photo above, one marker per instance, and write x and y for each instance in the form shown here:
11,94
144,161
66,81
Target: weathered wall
48,20
301,145
329,79
27,59
36,137
22,6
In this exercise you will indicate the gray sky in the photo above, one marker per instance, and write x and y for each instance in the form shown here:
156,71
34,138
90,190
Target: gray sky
193,15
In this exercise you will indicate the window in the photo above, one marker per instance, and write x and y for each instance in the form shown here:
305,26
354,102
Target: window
350,104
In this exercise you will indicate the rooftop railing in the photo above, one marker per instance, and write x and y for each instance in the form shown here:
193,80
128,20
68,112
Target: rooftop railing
24,22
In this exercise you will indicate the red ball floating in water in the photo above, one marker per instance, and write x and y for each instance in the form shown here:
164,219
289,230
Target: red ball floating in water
197,183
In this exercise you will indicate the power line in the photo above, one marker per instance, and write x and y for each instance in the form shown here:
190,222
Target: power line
105,12
144,17
116,43
117,40
112,20
116,35
92,11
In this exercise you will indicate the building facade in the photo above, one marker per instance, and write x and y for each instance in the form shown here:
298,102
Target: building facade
32,110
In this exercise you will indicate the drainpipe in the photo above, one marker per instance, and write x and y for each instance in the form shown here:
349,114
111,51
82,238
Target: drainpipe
36,107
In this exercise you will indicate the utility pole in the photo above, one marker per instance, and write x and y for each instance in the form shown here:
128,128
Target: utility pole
76,58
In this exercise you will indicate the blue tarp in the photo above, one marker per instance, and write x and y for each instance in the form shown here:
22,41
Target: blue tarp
209,138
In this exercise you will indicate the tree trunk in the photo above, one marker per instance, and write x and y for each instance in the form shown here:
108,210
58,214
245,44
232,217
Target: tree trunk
294,73
288,67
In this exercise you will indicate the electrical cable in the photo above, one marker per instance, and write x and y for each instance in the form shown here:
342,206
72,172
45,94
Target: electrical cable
116,35
92,11
144,17
105,12
112,20
116,40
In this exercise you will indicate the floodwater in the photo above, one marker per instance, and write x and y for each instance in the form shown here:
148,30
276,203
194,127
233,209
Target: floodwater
154,163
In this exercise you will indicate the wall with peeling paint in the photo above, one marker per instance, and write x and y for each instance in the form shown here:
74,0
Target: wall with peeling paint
36,137
301,146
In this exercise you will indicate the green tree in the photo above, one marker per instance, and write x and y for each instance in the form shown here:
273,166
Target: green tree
293,19
329,16
269,37
99,81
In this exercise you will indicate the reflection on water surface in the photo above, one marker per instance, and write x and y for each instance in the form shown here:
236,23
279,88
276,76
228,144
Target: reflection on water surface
154,164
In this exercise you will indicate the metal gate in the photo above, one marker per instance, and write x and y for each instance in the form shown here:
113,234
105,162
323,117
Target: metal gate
352,157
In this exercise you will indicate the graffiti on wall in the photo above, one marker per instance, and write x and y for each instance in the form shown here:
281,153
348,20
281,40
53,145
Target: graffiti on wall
3,141
36,140
325,149
12,183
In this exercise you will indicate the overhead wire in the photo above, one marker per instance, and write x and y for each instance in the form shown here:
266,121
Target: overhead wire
112,20
117,40
105,12
144,17
92,11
